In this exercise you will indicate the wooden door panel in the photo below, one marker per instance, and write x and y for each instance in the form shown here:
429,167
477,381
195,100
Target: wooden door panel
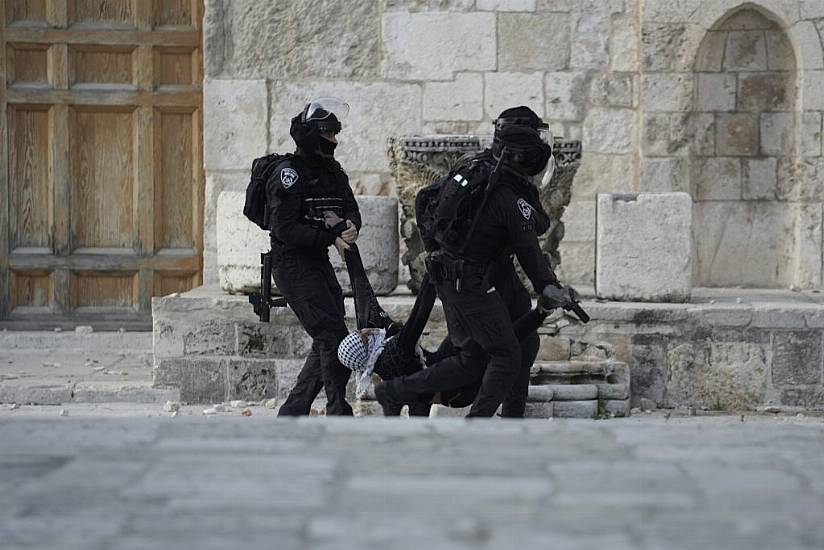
104,291
102,178
31,290
101,192
174,13
174,179
112,66
116,13
25,11
31,189
28,65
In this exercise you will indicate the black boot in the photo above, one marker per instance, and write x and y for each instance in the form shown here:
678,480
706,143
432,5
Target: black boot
389,400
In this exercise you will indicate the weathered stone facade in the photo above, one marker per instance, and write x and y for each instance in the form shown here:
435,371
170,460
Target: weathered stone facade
717,98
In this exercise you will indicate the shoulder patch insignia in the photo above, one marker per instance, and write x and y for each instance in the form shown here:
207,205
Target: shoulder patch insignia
288,177
525,208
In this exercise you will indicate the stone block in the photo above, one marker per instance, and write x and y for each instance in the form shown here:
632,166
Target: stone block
577,263
780,54
571,392
710,56
533,41
771,91
721,376
200,380
554,348
683,10
538,409
623,45
216,183
610,131
654,265
607,392
364,407
505,5
429,5
442,411
809,397
649,372
777,133
611,90
209,337
378,111
716,91
811,9
505,90
716,178
270,40
813,83
666,92
287,374
458,100
702,130
540,393
811,134
808,239
759,179
666,134
777,316
618,408
660,43
797,358
579,221
565,94
724,315
736,134
746,51
252,379
575,409
807,37
234,131
665,175
414,44
256,339
603,173
743,244
240,243
590,38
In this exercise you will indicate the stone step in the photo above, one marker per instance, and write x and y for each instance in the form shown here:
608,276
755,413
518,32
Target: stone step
580,372
42,392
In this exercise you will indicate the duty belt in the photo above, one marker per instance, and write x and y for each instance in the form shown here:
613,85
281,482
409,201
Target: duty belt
443,266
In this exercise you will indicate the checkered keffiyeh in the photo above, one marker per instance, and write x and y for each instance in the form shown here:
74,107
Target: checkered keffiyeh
360,358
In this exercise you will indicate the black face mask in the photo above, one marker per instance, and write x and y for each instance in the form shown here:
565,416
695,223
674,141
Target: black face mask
326,147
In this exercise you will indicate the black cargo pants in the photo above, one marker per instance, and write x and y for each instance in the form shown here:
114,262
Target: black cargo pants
309,285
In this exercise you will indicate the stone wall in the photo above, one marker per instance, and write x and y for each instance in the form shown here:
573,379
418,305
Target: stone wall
621,75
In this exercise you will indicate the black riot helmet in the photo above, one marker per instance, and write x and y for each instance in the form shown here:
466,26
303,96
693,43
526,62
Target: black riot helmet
523,140
318,117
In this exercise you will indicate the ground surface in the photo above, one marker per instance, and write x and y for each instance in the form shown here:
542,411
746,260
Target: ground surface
114,477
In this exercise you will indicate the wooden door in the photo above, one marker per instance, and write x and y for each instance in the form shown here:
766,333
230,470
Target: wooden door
101,189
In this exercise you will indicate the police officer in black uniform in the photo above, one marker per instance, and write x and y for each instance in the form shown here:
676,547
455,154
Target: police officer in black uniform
304,193
478,319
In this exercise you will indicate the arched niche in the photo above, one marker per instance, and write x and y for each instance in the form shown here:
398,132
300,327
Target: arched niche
743,154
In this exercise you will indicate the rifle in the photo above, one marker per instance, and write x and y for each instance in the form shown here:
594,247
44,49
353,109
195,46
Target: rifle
368,311
262,302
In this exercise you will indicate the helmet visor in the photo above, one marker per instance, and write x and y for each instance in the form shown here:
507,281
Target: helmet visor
546,136
325,107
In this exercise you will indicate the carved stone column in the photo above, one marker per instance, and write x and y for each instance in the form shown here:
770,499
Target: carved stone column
419,160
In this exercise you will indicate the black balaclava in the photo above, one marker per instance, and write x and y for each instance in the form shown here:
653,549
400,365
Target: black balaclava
516,131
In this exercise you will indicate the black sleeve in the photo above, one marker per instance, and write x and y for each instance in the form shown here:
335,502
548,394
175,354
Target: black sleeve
284,199
517,216
350,205
413,328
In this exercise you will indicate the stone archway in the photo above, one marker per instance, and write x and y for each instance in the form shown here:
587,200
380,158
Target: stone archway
743,154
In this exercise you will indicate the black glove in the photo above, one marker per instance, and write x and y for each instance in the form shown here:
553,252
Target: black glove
553,297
